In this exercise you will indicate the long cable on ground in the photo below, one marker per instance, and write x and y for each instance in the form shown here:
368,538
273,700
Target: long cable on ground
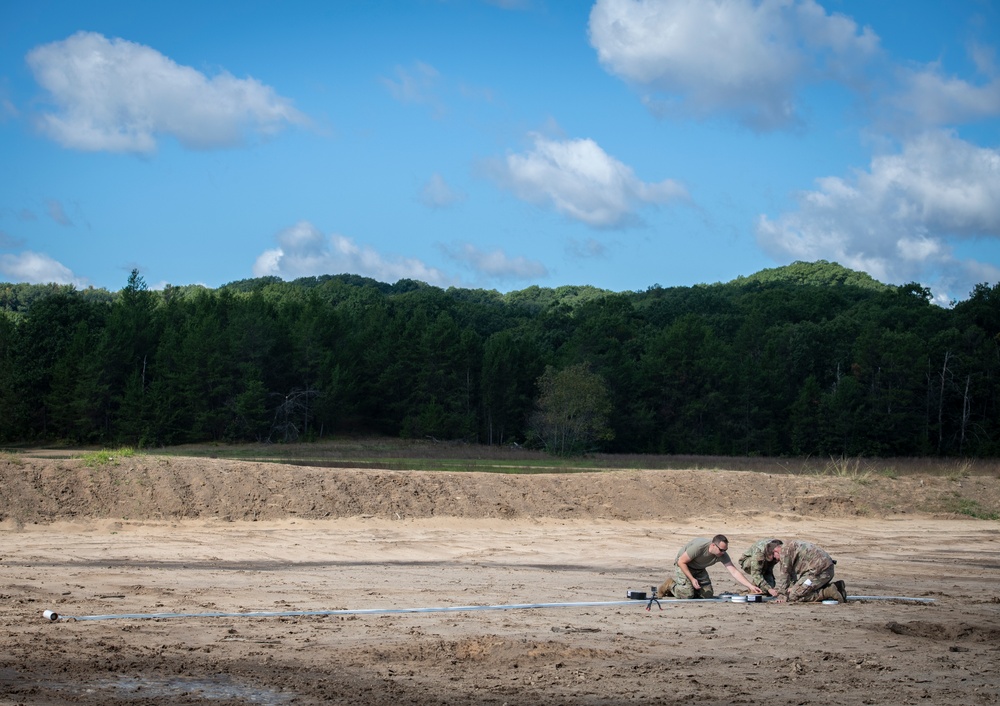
53,616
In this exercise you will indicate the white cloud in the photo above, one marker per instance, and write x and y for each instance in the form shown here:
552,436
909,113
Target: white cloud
743,57
436,193
36,268
934,99
897,221
303,251
581,181
119,96
496,264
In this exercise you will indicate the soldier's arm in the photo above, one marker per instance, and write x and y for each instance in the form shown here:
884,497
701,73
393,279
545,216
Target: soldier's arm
757,569
682,564
737,574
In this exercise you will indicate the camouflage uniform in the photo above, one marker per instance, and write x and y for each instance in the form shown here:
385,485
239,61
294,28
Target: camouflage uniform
701,559
803,572
759,569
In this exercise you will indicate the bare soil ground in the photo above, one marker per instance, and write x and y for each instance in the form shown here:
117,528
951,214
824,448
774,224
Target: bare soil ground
158,534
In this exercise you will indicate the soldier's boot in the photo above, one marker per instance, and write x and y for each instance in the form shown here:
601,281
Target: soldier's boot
842,587
666,589
830,593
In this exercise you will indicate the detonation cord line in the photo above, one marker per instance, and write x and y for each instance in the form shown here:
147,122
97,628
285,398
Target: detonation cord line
54,616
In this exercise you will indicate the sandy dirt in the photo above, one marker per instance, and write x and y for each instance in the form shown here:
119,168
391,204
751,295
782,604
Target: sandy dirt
169,535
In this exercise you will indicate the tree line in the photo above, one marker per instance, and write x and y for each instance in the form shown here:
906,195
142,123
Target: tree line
808,359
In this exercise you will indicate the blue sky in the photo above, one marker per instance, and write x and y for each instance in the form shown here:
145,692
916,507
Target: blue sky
503,144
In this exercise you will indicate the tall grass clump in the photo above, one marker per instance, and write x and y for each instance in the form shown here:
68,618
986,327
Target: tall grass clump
849,468
960,469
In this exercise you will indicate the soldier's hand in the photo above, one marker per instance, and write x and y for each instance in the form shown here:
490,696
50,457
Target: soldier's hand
772,592
755,589
695,585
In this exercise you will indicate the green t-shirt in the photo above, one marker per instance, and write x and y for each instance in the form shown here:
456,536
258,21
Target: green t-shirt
697,551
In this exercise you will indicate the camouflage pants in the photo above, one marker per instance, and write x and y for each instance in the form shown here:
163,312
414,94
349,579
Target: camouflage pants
808,586
684,589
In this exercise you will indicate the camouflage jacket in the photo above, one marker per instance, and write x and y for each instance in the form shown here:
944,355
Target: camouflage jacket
755,565
797,559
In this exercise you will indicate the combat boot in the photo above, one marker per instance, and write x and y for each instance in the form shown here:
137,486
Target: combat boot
831,593
666,589
842,587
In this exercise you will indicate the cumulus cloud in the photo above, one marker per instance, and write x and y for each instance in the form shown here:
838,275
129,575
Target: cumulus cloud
303,251
898,220
747,58
581,181
118,96
36,268
496,264
436,193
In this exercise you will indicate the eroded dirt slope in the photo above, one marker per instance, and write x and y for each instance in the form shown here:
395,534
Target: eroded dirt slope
160,487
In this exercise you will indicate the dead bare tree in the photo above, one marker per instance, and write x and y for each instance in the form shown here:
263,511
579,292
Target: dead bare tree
292,410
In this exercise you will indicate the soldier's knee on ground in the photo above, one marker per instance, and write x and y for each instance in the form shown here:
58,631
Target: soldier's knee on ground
802,594
683,590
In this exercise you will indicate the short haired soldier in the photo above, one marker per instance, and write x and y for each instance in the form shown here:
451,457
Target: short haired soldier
804,573
758,563
691,579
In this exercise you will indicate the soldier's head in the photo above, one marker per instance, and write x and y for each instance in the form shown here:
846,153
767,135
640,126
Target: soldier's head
721,544
773,550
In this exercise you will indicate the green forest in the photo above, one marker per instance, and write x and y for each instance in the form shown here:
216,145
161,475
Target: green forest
807,359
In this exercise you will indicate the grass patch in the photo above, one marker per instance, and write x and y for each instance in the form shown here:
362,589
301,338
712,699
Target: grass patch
11,457
107,457
393,453
970,508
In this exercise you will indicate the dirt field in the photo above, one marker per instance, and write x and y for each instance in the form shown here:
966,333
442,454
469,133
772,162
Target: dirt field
169,535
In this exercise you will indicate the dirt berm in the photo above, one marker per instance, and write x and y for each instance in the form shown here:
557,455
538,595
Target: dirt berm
150,487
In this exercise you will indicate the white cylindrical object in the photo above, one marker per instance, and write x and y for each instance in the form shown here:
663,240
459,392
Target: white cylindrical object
50,615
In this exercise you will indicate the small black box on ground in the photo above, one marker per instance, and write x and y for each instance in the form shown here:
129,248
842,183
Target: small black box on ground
636,595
